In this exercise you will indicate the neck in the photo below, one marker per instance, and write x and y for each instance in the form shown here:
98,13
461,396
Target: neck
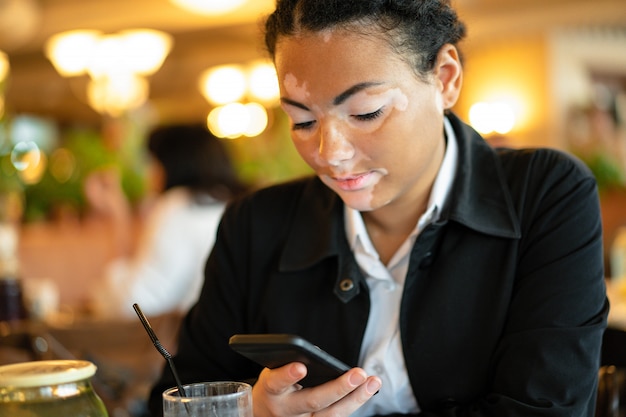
390,225
388,228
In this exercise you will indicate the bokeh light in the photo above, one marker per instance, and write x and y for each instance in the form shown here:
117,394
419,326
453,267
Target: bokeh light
263,83
236,119
223,84
489,117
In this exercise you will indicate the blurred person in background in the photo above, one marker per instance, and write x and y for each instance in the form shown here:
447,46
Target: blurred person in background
191,178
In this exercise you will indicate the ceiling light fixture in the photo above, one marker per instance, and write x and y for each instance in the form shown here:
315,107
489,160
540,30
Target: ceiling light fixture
209,7
227,83
116,64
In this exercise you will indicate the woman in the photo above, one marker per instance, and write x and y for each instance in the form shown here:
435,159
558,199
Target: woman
455,278
192,178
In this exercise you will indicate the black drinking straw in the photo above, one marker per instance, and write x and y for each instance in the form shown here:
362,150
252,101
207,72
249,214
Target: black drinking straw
157,344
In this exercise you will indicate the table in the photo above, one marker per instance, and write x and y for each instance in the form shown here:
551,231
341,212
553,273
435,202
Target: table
128,363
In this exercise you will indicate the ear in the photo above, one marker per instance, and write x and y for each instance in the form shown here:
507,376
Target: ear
449,75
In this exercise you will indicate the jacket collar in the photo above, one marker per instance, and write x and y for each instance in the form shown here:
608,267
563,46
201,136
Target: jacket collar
479,199
317,227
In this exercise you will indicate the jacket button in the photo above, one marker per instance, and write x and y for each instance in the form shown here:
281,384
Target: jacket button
346,285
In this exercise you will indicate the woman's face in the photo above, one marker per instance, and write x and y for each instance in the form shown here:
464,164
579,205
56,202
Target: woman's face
361,118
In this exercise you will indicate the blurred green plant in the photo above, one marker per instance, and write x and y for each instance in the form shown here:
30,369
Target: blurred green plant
608,172
55,194
259,161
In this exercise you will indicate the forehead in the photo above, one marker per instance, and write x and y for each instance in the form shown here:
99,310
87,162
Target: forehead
332,60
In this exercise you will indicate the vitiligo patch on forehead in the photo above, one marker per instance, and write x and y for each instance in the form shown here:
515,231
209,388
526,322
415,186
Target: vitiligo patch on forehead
294,89
394,96
327,35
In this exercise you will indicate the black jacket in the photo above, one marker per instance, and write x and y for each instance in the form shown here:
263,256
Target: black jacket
504,303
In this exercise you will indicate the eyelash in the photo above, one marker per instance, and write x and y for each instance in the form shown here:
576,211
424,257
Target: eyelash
360,117
303,126
370,116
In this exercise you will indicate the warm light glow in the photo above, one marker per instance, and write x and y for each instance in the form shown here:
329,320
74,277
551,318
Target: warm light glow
488,117
209,6
230,120
107,57
70,52
263,82
115,64
223,84
257,119
213,122
35,167
140,51
145,49
4,66
117,93
227,85
235,119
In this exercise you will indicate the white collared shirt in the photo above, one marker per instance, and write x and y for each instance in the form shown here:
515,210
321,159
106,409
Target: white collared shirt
381,351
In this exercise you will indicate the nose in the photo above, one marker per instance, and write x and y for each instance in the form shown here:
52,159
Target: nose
335,147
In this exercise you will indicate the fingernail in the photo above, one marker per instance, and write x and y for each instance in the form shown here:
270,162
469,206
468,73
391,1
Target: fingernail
357,378
373,385
298,370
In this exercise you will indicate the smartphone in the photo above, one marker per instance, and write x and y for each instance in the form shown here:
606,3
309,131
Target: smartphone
275,350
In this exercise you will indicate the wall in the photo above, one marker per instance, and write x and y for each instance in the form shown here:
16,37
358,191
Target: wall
514,70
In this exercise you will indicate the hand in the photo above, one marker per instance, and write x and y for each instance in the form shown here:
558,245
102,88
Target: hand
277,393
104,193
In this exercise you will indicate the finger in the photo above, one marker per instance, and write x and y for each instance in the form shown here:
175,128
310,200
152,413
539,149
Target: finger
283,379
354,400
316,399
273,386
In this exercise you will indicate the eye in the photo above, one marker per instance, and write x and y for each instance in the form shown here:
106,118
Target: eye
303,125
370,116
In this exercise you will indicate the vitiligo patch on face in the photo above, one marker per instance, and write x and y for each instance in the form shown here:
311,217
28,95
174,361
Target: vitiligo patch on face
327,36
367,102
297,91
400,100
393,97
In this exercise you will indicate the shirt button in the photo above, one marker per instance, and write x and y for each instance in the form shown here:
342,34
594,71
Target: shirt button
378,369
346,284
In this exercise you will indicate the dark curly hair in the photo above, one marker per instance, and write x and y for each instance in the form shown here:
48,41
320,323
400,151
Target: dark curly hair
416,29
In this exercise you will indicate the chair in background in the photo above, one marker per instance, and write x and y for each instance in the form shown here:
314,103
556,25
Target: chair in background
611,400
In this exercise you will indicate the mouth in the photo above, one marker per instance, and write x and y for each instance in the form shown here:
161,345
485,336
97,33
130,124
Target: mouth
353,182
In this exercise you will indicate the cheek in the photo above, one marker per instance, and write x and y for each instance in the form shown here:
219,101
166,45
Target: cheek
398,131
307,147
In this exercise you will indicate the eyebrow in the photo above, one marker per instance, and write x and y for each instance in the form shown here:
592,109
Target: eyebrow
337,100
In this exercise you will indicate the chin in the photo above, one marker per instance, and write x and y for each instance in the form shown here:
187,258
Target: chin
359,204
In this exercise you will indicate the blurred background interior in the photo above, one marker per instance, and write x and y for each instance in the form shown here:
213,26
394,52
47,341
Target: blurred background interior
537,73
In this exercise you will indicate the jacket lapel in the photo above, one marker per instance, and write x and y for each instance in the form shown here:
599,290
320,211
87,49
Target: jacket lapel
480,198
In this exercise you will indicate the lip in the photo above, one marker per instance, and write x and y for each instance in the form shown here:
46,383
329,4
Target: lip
353,182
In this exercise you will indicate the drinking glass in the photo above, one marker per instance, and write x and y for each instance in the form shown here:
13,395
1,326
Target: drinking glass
209,399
